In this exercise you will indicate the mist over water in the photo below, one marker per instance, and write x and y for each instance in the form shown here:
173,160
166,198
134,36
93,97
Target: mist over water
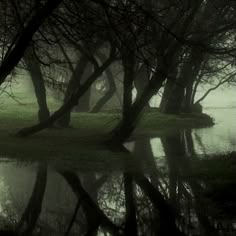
106,118
17,179
221,98
218,139
221,138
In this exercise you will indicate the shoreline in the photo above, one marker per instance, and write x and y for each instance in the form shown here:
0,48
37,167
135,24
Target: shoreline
86,135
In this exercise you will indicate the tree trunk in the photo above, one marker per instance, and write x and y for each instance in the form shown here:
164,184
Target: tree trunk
128,64
187,106
34,69
175,99
124,129
166,94
66,107
108,95
85,99
111,84
141,80
197,62
74,83
180,96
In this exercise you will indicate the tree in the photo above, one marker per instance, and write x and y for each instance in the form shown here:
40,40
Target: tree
34,68
21,42
179,93
163,38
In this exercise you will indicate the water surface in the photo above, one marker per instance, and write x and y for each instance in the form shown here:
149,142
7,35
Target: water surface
169,188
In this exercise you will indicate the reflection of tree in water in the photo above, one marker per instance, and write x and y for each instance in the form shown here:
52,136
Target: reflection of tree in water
198,211
147,200
32,211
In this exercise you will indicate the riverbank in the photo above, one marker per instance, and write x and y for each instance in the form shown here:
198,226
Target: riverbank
87,132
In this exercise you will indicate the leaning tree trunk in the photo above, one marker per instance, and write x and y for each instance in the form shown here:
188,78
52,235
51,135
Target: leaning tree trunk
66,107
124,128
85,99
34,69
74,84
108,95
111,88
128,123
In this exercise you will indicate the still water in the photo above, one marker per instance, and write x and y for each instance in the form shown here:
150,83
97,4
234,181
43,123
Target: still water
221,138
164,194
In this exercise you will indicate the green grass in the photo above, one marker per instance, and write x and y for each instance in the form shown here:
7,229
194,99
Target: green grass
156,123
81,141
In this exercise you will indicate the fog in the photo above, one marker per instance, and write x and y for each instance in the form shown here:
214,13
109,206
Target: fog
117,118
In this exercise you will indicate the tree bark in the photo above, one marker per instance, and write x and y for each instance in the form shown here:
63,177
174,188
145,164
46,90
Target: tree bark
34,69
108,95
141,80
166,94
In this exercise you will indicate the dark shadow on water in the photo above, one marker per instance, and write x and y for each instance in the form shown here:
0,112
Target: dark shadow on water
148,199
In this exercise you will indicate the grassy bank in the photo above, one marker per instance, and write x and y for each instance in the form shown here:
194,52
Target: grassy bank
16,116
86,133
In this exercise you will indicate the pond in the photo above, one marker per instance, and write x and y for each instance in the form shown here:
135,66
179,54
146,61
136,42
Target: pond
174,188
221,138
